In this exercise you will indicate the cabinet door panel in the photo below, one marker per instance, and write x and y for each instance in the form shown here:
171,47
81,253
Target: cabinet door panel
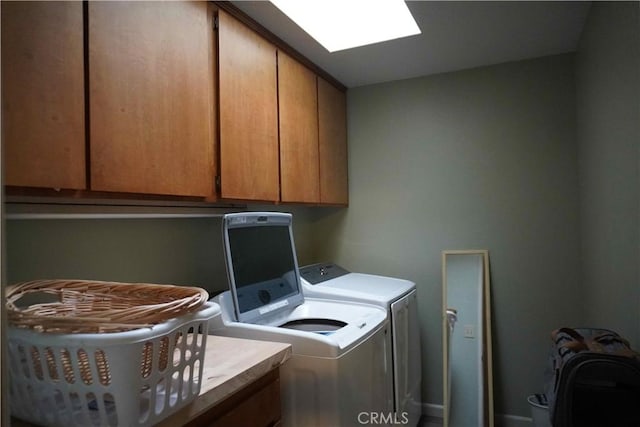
332,121
43,94
248,113
298,108
152,97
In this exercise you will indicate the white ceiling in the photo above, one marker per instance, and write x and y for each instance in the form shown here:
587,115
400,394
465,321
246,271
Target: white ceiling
455,36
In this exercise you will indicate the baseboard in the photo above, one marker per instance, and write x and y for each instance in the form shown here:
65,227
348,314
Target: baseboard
501,420
432,410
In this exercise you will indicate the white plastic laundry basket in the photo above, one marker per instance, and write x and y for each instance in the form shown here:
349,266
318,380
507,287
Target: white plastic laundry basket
133,378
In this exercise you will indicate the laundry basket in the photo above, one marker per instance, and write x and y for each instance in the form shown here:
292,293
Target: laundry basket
69,372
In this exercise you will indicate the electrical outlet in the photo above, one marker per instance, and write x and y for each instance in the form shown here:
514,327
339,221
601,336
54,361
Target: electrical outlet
469,331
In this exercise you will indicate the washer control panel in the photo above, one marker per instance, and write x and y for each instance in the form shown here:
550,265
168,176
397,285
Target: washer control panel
321,272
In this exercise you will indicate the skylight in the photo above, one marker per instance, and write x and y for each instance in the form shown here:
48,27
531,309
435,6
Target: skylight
344,24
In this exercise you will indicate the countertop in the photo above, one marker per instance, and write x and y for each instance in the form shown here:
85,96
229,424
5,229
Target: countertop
229,365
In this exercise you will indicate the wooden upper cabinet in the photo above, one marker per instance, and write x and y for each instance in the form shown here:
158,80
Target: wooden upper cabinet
147,98
151,80
298,109
332,119
249,166
43,94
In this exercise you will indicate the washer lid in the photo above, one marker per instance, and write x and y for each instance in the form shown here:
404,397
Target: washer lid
261,263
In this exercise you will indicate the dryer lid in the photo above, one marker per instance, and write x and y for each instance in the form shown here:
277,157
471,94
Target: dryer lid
329,279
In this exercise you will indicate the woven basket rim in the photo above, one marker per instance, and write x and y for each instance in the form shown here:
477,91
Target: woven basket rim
100,306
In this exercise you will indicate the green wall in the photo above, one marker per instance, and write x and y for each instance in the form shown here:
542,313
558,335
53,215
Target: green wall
608,105
477,159
537,161
184,251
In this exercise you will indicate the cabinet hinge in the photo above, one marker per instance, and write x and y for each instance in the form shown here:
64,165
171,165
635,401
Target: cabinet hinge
218,186
216,22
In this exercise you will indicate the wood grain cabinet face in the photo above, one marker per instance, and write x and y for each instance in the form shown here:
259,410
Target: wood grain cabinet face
151,79
298,121
332,119
257,405
124,97
43,108
249,167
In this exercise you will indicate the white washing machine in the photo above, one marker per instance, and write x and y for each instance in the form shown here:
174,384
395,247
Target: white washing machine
331,282
341,365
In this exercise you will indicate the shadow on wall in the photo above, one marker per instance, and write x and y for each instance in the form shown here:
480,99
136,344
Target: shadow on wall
181,251
172,251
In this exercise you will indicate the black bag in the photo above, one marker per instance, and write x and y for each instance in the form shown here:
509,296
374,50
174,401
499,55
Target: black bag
592,380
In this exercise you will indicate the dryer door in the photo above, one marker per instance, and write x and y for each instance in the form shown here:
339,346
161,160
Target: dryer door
406,358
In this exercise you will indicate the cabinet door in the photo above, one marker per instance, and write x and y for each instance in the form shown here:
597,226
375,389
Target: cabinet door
257,405
152,97
332,121
298,114
43,94
249,166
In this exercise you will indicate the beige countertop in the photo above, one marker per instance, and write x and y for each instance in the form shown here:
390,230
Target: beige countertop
229,365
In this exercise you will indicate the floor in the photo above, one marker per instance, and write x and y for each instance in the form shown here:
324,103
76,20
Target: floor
430,422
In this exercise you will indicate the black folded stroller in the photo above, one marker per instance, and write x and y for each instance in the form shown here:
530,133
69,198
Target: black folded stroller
593,380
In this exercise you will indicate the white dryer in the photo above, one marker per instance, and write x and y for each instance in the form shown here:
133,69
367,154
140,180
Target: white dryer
341,360
333,283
